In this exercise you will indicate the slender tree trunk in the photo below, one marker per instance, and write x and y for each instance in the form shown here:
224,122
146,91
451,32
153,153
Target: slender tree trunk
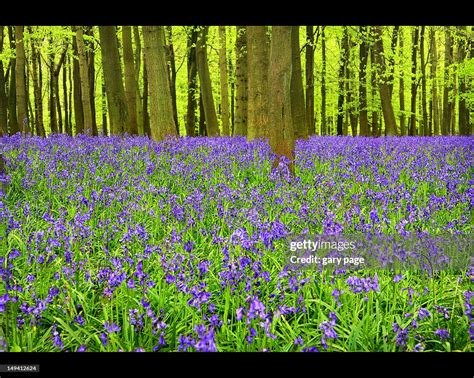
192,83
202,118
375,112
78,110
205,82
130,82
84,77
412,127
137,66
309,68
298,110
350,103
464,128
104,108
342,72
402,88
241,86
90,56
117,105
391,62
52,95
434,109
324,130
448,54
224,80
426,131
57,98
161,109
384,87
282,133
257,61
364,55
67,128
20,78
13,125
70,91
232,97
146,114
3,94
172,73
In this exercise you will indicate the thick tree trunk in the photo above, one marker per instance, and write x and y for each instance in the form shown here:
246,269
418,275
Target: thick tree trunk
205,82
162,122
282,133
434,109
412,126
425,128
447,102
20,79
257,61
298,111
384,87
224,81
130,82
13,125
137,66
324,130
172,73
401,93
118,111
241,86
309,68
364,55
192,83
84,78
464,128
3,95
78,110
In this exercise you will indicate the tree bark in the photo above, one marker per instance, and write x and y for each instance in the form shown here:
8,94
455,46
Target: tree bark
350,103
224,81
192,83
202,118
363,55
342,75
172,73
13,125
37,91
67,127
241,86
309,68
91,72
137,66
425,128
401,92
3,94
257,61
434,109
104,107
84,78
282,133
391,63
464,128
412,126
448,54
146,114
374,127
20,79
130,81
205,82
323,82
384,87
162,122
78,110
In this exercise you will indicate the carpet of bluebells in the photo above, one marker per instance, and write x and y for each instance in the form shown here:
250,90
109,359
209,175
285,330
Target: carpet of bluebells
124,244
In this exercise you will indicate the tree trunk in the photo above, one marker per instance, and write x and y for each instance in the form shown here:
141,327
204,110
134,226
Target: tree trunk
391,63
282,133
257,61
3,95
412,126
342,74
146,114
384,87
91,72
67,127
192,84
324,130
21,98
448,54
78,110
205,82
375,130
84,77
434,109
104,107
137,65
241,86
172,73
202,118
426,131
130,82
52,95
350,103
224,81
232,97
162,122
298,111
364,55
70,91
13,125
117,105
309,73
37,91
464,128
402,88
